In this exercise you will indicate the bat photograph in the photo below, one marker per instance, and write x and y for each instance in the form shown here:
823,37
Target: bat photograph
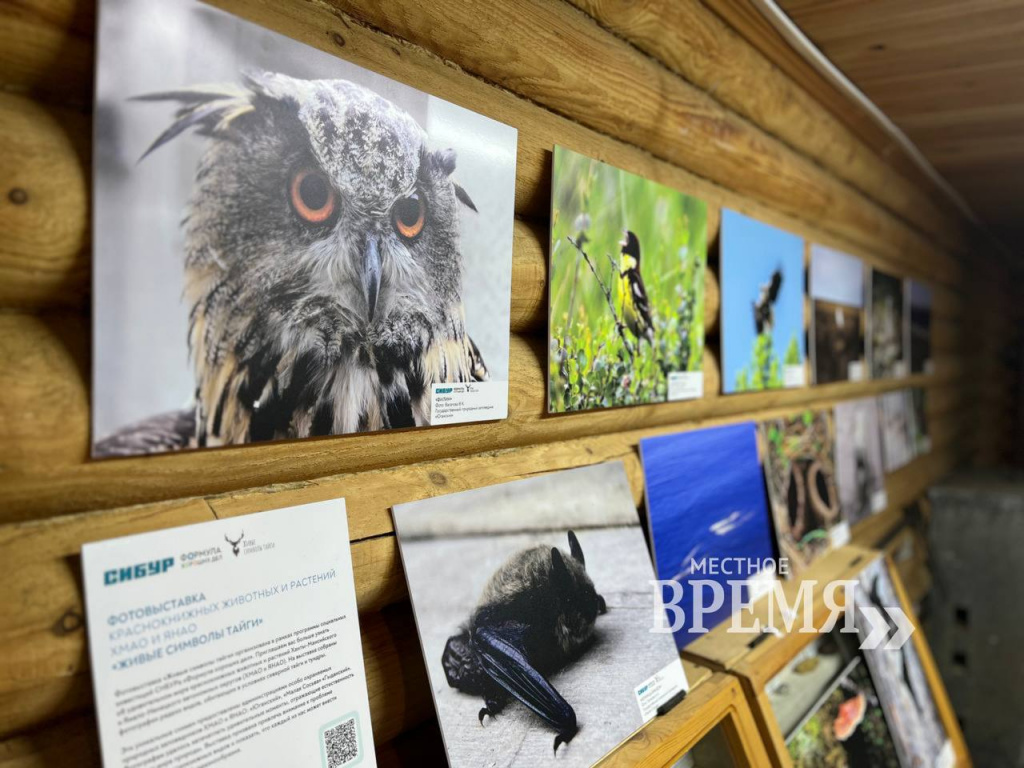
902,685
860,472
705,499
286,245
886,337
626,302
799,467
837,319
762,276
534,611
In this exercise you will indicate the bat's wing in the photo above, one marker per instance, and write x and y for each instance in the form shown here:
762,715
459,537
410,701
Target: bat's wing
502,658
158,434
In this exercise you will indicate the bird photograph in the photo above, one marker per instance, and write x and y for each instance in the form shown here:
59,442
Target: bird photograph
535,619
762,287
340,248
626,290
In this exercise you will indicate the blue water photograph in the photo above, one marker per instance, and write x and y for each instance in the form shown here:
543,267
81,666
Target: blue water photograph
705,499
762,279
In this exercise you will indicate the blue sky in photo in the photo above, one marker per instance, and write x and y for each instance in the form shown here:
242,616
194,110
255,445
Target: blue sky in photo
751,251
836,277
705,498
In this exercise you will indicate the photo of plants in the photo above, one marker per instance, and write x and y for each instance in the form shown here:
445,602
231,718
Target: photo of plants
626,304
799,467
848,729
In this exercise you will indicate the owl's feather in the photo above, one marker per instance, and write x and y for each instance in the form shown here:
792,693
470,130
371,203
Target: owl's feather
285,339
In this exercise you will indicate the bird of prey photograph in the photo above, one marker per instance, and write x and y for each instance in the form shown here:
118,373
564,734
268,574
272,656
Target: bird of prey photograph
761,278
287,245
628,260
535,619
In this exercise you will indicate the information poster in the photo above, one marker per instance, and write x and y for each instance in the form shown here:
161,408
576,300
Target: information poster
229,643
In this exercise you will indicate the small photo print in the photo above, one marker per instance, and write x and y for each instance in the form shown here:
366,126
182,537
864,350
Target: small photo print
920,326
837,295
860,471
534,609
899,676
918,409
799,468
706,502
894,414
848,727
626,302
286,245
762,276
886,337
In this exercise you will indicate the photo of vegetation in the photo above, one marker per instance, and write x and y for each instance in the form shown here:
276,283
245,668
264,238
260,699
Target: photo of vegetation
626,303
799,467
762,280
848,729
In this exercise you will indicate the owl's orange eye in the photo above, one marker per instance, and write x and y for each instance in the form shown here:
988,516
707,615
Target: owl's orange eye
409,214
313,197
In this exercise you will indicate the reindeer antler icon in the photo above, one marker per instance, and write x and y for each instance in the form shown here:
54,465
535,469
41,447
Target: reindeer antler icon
235,544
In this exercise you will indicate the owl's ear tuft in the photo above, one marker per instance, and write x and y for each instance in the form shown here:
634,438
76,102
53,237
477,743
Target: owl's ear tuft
464,198
208,108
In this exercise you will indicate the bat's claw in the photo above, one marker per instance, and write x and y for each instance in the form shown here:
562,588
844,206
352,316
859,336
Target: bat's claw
564,738
484,712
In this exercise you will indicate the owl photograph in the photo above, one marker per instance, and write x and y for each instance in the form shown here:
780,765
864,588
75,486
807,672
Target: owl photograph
287,245
626,301
762,282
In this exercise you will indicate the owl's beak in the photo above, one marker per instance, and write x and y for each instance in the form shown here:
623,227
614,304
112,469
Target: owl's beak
371,275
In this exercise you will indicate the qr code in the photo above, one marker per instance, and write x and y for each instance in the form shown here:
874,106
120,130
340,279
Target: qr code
340,744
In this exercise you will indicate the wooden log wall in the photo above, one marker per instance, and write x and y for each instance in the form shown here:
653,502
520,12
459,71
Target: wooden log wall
663,88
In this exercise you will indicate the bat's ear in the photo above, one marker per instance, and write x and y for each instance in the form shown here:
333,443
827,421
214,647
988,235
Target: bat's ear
559,568
576,549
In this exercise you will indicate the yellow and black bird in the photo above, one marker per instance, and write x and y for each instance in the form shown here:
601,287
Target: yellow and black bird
635,306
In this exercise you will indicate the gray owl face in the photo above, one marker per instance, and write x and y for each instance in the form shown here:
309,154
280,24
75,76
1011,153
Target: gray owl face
323,272
322,206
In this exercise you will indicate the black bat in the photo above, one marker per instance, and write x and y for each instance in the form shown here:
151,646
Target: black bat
536,614
764,314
